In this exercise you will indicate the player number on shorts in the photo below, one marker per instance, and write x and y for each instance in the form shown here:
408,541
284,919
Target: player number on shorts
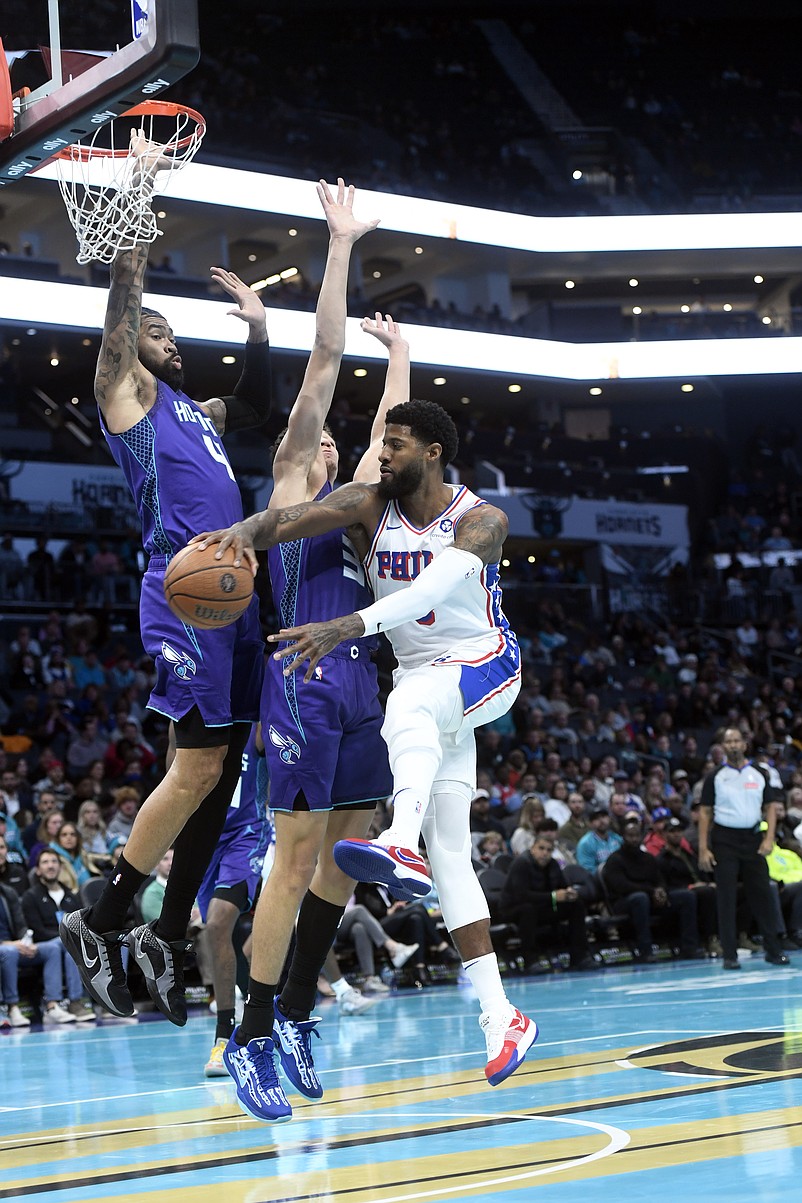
216,452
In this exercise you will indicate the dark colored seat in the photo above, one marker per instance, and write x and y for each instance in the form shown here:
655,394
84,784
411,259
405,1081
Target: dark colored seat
503,934
91,890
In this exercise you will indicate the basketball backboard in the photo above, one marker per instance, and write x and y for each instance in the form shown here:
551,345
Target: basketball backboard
164,45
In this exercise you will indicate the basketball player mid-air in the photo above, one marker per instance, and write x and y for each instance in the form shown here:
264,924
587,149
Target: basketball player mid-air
431,552
230,886
207,682
327,759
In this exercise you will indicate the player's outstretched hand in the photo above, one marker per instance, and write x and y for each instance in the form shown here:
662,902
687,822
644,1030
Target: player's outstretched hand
313,641
340,212
385,330
249,304
237,536
149,155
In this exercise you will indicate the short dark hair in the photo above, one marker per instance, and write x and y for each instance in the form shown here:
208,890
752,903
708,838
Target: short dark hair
152,313
428,423
279,439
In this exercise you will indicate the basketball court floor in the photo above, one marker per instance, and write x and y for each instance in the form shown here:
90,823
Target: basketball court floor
648,1083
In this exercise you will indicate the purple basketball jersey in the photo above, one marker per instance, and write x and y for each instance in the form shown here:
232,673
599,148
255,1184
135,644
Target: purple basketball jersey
177,471
323,737
318,578
182,483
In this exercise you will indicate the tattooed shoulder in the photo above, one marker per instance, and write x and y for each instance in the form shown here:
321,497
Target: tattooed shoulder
482,531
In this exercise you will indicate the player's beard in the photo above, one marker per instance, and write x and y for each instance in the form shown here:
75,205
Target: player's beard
402,483
172,376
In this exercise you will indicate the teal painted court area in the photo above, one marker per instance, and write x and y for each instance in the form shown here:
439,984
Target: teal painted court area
647,1083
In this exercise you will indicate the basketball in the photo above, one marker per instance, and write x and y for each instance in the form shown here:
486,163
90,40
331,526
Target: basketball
205,592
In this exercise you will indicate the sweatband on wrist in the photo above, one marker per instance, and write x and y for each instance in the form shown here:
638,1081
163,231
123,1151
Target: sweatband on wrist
446,573
250,404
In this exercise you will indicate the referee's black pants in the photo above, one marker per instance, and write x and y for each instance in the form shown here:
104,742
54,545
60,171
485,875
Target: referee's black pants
737,858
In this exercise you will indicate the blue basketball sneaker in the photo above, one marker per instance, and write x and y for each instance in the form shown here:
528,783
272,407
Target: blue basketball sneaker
253,1068
401,870
293,1042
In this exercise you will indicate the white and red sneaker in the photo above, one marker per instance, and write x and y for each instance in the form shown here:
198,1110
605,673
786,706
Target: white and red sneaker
400,869
508,1034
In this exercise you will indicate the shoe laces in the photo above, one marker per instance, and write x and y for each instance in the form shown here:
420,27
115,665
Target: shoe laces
298,1036
109,949
260,1066
171,951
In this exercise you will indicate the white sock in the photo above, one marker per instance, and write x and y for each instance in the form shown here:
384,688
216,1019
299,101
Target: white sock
486,980
340,987
409,808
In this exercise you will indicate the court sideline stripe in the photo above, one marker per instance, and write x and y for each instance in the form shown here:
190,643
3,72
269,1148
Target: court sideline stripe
360,1142
466,1174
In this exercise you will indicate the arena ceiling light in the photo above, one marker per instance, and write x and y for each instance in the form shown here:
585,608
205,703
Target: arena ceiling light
663,470
234,188
76,307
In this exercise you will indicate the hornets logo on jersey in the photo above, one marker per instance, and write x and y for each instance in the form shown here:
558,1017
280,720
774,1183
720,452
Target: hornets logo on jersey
183,665
289,751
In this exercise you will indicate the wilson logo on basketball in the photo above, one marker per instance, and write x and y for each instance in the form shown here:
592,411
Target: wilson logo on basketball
215,615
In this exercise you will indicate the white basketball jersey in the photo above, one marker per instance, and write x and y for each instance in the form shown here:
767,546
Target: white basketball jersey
470,626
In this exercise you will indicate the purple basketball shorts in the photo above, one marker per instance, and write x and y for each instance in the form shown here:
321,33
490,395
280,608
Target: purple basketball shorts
324,736
218,671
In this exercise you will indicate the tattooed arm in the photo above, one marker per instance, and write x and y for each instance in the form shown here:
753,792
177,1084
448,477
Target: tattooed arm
482,531
121,383
355,506
478,541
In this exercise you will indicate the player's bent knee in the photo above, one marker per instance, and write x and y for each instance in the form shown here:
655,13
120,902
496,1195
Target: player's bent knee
197,770
221,920
292,874
406,730
462,899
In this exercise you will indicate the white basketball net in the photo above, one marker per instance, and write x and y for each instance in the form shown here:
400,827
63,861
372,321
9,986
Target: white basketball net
107,192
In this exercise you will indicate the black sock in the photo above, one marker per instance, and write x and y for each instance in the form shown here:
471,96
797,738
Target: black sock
317,925
225,1025
257,1018
109,912
196,843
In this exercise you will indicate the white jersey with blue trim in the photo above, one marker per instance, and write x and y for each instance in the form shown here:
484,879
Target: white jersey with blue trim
470,627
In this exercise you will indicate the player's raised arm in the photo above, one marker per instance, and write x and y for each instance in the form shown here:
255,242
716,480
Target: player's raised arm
396,389
118,368
250,403
121,383
299,447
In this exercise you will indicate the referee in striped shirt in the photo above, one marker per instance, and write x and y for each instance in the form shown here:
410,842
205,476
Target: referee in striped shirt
736,798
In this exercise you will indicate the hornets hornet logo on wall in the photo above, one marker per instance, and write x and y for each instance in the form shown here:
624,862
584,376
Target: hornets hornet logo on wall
183,665
288,748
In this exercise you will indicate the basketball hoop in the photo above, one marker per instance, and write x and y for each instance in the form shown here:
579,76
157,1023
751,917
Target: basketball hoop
107,185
